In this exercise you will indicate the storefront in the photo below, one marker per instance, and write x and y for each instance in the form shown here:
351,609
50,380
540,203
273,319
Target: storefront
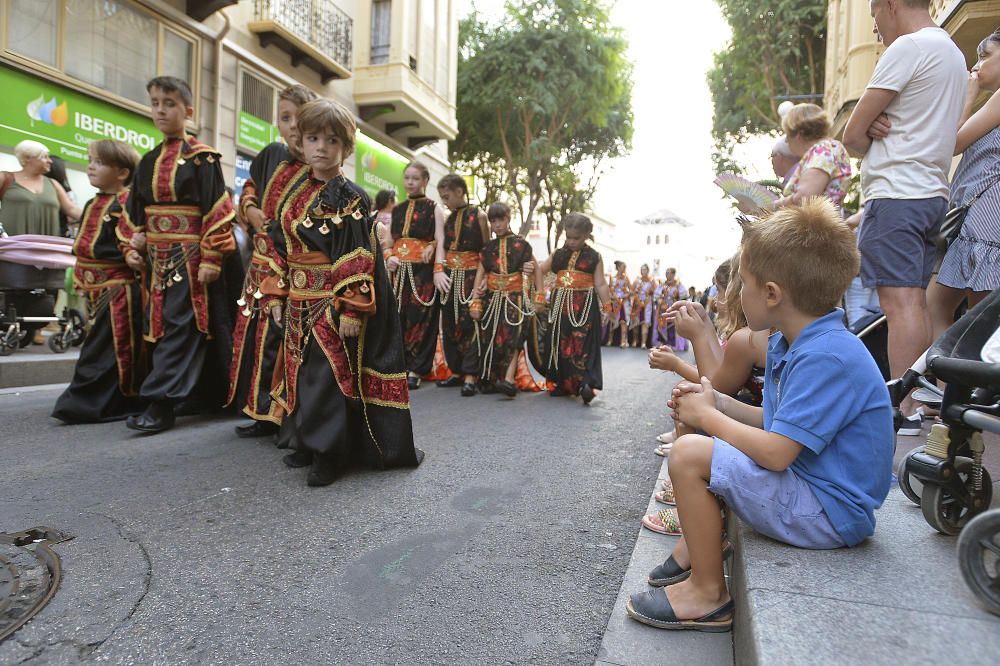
64,120
378,167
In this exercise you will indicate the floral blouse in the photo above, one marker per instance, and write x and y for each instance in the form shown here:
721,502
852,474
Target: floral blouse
830,157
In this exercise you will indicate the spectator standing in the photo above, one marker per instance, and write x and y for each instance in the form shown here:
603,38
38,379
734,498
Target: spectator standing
30,203
825,167
971,267
904,127
385,201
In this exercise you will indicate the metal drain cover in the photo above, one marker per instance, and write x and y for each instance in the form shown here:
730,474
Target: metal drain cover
29,575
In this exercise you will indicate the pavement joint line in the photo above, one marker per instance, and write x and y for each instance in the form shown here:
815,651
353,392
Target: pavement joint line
14,390
922,611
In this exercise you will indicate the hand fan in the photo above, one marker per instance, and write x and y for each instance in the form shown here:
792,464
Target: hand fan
749,194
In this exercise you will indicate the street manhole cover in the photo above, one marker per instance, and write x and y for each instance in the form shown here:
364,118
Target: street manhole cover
29,575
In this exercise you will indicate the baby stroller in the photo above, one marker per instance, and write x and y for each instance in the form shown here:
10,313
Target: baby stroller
955,490
31,268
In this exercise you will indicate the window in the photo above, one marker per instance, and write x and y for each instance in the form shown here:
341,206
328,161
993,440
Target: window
31,30
113,45
381,31
257,97
97,54
177,56
649,240
657,239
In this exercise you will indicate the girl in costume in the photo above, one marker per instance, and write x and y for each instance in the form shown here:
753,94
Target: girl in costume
671,291
579,294
409,254
465,232
621,299
643,289
503,301
344,388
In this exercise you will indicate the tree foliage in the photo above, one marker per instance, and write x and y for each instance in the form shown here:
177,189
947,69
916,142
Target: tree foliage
544,97
778,48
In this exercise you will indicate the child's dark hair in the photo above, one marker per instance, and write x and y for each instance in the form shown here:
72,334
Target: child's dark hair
297,94
425,173
116,154
454,182
383,198
498,210
578,223
171,84
619,265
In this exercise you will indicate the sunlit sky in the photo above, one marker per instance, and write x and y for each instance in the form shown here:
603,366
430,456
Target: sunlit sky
671,43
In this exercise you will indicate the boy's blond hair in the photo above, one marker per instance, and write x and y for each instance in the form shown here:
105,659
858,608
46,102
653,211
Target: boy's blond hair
325,114
807,250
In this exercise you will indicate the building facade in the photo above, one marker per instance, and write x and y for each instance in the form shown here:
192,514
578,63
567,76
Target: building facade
852,49
75,70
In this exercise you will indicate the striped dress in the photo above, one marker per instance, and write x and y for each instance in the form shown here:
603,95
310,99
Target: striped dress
973,260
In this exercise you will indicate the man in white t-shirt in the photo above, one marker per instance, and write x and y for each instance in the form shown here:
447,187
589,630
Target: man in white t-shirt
904,126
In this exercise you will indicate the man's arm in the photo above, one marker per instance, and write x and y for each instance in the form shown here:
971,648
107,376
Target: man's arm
858,135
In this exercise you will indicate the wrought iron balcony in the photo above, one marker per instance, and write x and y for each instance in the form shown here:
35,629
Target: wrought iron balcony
315,33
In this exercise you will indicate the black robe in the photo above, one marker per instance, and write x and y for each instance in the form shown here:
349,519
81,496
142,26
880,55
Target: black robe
345,398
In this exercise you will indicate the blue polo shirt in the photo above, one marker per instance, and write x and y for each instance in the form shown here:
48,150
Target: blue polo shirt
826,393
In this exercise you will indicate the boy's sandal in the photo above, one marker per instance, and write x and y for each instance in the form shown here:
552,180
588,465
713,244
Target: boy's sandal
670,572
652,607
663,522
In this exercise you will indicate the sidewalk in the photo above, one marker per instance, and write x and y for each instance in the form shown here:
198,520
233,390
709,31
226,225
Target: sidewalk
35,365
897,598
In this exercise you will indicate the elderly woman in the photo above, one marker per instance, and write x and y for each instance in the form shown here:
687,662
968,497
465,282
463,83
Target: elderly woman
825,167
30,202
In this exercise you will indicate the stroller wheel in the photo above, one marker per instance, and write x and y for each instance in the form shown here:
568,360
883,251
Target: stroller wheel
909,484
9,341
76,321
948,511
979,558
61,341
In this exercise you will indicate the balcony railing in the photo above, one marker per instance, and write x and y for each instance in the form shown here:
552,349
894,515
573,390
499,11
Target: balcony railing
320,24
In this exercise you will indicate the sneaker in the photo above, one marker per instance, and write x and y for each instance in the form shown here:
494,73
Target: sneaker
927,396
912,426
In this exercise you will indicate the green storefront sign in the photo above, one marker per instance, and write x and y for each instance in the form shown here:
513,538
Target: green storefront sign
64,120
254,133
378,168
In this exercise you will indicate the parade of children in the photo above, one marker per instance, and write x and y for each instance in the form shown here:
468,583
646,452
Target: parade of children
780,417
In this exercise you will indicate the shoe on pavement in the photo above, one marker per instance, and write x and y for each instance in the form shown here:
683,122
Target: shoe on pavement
912,426
324,471
159,416
256,429
587,393
468,390
298,459
506,388
652,607
413,382
452,382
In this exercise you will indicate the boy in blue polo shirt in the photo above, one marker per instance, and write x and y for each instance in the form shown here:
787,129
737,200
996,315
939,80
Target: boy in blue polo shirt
812,465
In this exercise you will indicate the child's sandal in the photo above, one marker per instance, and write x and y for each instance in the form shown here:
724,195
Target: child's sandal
663,522
666,496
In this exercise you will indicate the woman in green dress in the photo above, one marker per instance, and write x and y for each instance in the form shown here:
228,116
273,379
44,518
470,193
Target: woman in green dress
30,202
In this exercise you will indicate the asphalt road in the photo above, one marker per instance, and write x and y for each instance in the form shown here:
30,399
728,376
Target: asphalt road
508,545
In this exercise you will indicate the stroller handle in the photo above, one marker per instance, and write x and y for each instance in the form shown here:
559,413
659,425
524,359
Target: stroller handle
981,421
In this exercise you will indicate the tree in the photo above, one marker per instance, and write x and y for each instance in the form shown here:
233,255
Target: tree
546,94
777,49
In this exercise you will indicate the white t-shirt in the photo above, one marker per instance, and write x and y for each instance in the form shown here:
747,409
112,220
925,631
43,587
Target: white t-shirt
928,71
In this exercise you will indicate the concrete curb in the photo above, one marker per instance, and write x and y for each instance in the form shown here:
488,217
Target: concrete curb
30,368
629,643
